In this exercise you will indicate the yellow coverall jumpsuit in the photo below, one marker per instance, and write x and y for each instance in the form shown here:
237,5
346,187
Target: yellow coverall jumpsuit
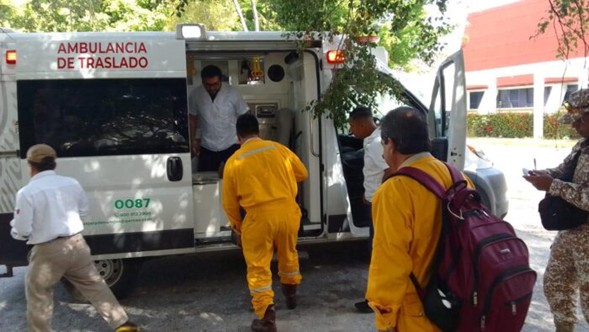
407,222
261,177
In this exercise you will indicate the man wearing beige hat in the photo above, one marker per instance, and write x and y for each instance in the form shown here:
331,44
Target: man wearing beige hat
48,216
568,267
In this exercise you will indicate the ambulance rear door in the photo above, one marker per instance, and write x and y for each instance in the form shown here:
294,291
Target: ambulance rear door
114,107
12,252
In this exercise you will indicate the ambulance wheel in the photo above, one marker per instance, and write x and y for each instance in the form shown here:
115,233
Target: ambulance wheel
119,274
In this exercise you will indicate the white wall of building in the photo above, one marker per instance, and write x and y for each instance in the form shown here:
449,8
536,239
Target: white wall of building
572,68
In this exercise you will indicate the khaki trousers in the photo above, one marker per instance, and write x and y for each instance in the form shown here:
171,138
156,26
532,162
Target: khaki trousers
69,258
262,232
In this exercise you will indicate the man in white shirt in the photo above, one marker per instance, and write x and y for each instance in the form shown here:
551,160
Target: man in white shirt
48,216
213,110
362,125
375,168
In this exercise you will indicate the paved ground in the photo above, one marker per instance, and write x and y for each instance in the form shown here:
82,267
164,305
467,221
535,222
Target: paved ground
209,293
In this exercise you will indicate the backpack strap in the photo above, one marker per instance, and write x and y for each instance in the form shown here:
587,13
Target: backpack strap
425,179
435,187
456,192
454,172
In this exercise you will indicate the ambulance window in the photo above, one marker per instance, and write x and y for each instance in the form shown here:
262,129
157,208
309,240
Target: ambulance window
102,117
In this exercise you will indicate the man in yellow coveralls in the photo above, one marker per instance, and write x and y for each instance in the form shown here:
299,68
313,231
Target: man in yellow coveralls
407,223
261,177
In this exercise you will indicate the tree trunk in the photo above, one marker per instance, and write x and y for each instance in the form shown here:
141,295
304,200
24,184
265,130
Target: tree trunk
240,13
255,11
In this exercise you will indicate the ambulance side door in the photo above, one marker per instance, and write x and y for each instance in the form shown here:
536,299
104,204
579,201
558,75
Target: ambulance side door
114,107
448,111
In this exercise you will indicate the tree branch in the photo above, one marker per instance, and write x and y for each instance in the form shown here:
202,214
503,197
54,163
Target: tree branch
240,14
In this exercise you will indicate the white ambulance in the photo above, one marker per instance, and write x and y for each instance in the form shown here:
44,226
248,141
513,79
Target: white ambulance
114,107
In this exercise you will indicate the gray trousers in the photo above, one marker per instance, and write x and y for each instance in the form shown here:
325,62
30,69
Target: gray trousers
69,258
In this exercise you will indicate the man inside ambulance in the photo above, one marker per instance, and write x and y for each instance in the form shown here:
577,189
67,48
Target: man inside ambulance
213,110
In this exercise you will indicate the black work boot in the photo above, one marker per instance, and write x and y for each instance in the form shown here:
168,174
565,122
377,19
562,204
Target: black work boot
290,293
266,324
363,307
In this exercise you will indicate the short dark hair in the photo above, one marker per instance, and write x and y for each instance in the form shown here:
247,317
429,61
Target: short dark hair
407,127
211,71
46,164
361,112
246,125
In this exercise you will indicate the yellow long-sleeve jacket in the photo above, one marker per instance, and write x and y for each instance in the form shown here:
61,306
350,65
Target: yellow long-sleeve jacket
261,173
407,222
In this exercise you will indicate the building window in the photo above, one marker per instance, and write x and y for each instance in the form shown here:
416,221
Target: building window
547,90
474,98
570,88
515,98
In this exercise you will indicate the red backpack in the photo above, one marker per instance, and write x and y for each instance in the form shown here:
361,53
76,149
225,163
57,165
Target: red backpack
481,279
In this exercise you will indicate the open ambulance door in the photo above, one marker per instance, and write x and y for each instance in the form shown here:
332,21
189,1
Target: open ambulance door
448,111
12,252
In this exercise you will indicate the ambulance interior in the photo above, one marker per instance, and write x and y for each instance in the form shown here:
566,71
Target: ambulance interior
274,86
265,89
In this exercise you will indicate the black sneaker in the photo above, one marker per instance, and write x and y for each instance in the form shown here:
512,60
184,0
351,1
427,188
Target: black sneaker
363,307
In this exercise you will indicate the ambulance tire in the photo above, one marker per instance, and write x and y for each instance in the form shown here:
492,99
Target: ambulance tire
119,274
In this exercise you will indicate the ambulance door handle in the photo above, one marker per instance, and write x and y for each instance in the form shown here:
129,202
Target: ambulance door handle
9,154
175,169
312,137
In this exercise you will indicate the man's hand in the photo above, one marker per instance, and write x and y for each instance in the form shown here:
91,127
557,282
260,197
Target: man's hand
17,236
236,237
195,147
541,180
238,240
365,201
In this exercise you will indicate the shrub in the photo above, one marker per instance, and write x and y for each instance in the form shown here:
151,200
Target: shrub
516,125
556,130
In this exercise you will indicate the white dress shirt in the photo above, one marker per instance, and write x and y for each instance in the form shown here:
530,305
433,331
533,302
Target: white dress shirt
374,164
48,207
217,118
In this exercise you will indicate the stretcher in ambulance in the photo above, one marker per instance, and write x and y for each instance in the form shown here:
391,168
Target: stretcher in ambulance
114,106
